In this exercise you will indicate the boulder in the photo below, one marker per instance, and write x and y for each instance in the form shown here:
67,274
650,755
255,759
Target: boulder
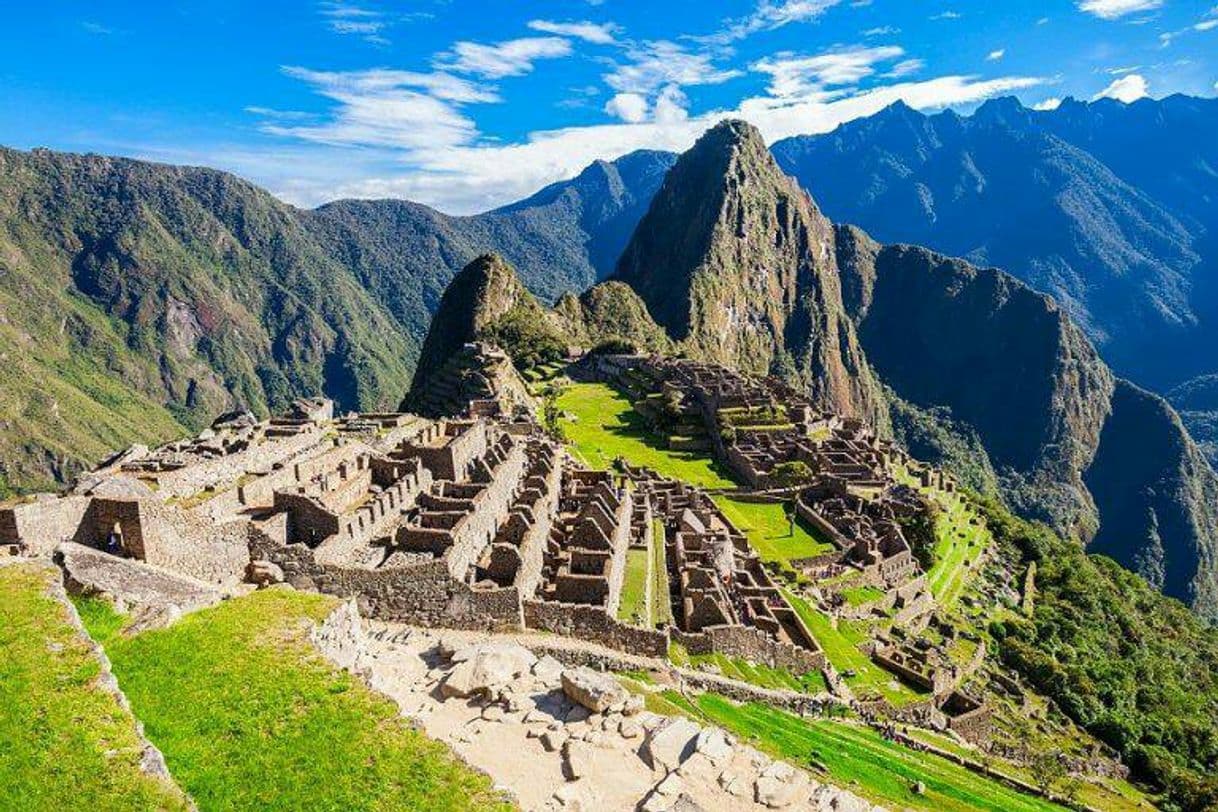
485,669
670,743
263,573
780,785
578,759
595,691
715,745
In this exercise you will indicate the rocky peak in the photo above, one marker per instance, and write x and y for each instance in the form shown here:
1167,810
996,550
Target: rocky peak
735,260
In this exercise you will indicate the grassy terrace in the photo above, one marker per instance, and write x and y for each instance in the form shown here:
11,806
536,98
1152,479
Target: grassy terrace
770,533
249,716
840,644
64,742
601,425
634,607
854,757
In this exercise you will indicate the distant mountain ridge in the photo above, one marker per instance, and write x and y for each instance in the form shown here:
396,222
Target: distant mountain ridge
1108,207
164,295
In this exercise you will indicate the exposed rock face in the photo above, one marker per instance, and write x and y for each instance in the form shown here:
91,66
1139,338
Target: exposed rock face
735,261
1071,443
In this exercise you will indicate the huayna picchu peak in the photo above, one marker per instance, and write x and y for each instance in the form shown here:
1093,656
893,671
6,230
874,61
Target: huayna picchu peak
662,489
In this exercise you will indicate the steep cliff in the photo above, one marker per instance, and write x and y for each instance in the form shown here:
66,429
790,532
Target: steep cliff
976,353
736,263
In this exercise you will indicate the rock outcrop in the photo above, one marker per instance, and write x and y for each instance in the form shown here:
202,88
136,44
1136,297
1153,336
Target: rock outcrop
734,260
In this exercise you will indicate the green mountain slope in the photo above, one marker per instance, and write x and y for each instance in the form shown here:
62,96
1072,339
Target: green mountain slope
141,298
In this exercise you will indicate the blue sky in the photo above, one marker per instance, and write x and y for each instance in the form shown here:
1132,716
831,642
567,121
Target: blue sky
466,104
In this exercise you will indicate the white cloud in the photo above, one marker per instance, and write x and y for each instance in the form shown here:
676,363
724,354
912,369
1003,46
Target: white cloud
795,77
947,15
770,15
881,31
596,33
455,171
906,67
670,106
1115,9
383,108
1051,103
629,107
511,58
996,55
348,18
659,63
1128,88
1206,25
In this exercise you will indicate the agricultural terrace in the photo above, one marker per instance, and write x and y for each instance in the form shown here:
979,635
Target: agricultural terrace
600,425
854,756
237,693
65,743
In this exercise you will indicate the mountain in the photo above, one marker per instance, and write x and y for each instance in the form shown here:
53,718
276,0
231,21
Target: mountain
562,239
138,299
1107,207
739,266
736,262
165,295
980,356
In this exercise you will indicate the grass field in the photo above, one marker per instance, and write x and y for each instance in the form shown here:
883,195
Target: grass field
769,531
859,759
840,645
601,425
753,673
249,716
634,607
64,742
661,603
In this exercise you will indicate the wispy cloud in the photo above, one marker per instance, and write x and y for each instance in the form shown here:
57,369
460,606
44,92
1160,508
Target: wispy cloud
1128,89
772,14
649,66
1115,9
96,28
513,57
946,15
1051,103
794,76
995,55
350,19
596,33
906,67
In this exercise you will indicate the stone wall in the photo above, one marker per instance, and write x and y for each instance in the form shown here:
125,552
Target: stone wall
751,644
38,527
594,624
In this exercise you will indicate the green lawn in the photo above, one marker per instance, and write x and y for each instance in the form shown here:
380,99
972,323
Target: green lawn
633,607
859,595
840,645
64,742
249,716
601,425
661,601
859,759
959,544
769,531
